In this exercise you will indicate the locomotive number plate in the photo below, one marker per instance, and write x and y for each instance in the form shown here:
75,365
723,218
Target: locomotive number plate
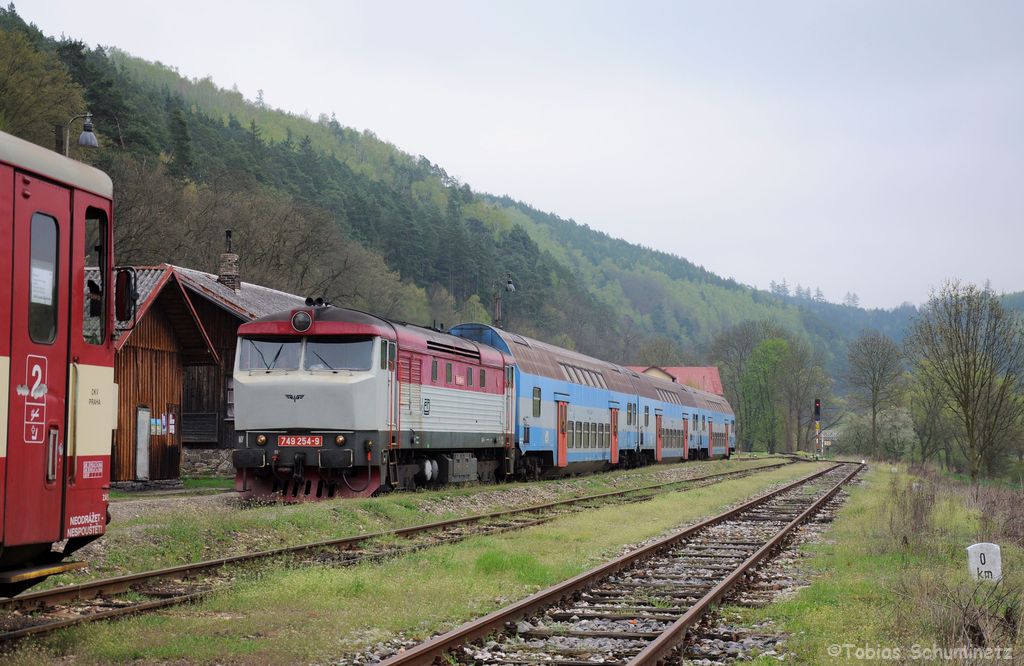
300,440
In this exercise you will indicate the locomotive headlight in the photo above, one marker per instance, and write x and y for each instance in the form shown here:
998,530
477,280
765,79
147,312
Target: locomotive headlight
261,439
340,440
301,321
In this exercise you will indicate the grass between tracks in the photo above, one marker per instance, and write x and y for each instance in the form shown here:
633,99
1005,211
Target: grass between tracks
315,613
892,574
157,532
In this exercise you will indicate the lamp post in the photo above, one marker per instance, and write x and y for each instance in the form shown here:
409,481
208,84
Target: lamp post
62,134
499,289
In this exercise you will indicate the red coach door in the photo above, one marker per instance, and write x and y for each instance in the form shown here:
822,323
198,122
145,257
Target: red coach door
658,436
562,453
39,343
615,436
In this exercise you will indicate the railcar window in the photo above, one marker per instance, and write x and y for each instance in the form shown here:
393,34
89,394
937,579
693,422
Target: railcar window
536,401
268,354
433,370
448,373
647,416
43,293
483,378
94,318
570,436
469,376
383,354
586,436
333,354
579,434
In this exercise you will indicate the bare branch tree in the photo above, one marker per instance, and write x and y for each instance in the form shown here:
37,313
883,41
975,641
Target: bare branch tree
971,350
875,367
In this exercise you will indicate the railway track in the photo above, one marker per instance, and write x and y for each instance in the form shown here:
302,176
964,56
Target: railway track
638,607
45,611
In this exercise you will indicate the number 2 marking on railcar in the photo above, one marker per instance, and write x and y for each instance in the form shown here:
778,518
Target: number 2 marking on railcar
35,400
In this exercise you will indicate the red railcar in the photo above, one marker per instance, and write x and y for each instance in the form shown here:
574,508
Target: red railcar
56,360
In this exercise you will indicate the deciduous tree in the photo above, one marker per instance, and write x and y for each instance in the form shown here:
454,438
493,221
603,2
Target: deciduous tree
971,350
875,367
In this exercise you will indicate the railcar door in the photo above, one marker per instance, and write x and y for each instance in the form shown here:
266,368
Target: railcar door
686,438
659,433
38,364
562,453
615,436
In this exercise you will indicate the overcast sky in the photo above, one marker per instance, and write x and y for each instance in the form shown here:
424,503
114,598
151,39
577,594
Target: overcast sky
872,147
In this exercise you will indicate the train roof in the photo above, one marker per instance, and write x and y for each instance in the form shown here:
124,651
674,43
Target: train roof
27,156
332,320
547,360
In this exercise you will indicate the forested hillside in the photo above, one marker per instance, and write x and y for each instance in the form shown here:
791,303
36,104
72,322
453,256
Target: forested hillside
320,208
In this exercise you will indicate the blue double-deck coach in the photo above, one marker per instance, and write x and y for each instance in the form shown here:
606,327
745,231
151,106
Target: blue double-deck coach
575,413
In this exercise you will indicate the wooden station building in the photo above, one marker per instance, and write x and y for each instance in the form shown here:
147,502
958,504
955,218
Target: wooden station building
174,366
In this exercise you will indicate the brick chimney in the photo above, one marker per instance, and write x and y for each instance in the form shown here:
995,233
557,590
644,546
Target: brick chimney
228,273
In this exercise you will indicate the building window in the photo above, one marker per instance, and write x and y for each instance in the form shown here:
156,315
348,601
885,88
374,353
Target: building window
536,401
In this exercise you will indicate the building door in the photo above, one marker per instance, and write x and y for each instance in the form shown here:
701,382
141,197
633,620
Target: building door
143,426
659,433
562,454
39,312
615,435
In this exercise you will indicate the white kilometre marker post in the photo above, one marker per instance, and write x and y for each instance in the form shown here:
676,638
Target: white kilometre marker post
985,562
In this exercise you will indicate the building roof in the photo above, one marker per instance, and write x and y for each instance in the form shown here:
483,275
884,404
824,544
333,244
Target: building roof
174,287
250,302
705,378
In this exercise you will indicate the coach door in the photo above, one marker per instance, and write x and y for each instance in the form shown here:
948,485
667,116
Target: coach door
38,362
615,435
686,438
562,453
659,434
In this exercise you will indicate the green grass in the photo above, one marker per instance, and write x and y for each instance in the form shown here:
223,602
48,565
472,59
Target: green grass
885,569
208,482
190,533
282,613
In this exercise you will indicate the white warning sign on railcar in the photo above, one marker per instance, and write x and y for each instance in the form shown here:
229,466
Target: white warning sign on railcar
985,562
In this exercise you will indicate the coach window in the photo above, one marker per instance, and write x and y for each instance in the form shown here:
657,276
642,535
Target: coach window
469,376
433,370
483,378
383,354
42,301
647,416
448,373
536,401
579,434
593,436
570,436
94,318
586,434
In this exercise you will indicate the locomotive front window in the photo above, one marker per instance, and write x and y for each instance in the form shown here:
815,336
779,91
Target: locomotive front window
333,354
266,354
